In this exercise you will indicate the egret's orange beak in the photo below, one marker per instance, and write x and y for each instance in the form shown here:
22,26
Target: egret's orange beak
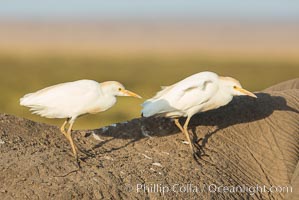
132,94
245,92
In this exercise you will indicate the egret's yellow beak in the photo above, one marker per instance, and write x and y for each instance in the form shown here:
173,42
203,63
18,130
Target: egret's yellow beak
245,92
129,93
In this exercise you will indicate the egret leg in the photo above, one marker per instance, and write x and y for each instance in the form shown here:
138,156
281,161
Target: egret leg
187,134
69,137
177,123
62,128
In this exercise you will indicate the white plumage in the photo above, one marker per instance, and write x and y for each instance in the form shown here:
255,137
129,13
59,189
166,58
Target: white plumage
197,93
69,100
73,99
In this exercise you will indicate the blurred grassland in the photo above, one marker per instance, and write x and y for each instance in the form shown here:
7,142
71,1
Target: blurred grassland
142,74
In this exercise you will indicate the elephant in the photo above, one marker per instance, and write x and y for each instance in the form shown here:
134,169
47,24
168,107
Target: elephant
248,149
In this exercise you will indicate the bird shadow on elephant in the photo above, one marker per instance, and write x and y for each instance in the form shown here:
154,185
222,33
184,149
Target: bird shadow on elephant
241,109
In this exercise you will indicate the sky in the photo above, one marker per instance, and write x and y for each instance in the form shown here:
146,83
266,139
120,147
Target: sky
149,9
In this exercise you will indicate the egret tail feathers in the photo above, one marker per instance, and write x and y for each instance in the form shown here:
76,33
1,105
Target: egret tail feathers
153,107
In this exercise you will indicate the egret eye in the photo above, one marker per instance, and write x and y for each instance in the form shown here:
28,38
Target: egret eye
119,89
235,87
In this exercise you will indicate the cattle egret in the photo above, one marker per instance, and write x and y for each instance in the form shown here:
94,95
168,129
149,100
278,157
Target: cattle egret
197,93
73,99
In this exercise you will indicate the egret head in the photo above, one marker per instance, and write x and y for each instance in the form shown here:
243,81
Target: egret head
234,87
117,89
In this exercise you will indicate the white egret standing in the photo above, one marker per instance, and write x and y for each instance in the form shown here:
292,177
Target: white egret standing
73,99
197,93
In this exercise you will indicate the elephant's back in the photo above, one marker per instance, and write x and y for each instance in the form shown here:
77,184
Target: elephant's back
290,91
259,138
286,85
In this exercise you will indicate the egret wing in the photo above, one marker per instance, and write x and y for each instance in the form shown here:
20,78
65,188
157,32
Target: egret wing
58,101
189,94
179,97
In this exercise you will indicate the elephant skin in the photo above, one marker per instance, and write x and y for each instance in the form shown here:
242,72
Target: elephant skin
249,144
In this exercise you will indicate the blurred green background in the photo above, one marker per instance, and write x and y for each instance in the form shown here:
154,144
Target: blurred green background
144,45
143,75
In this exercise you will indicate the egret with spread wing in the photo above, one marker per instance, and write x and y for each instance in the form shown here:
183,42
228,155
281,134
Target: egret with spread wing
74,99
197,93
